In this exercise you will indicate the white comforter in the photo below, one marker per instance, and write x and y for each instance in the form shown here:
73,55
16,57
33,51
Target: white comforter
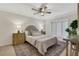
42,42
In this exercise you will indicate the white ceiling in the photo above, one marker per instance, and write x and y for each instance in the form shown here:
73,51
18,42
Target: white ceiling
57,9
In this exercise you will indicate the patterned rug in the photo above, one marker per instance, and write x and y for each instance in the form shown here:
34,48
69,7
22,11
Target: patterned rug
28,50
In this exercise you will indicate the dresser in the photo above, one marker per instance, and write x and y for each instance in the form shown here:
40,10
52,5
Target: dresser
18,38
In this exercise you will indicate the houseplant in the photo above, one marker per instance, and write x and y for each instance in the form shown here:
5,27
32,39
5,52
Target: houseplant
72,28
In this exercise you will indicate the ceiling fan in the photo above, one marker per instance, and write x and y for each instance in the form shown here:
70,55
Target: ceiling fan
43,9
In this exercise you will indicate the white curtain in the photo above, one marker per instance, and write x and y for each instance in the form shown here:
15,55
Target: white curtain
58,28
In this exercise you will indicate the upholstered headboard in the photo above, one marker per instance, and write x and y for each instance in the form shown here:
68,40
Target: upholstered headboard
31,28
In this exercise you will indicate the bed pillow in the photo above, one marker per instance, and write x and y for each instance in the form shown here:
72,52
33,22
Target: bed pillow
26,33
36,33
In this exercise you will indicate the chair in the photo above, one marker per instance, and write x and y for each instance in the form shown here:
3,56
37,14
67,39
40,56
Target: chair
74,47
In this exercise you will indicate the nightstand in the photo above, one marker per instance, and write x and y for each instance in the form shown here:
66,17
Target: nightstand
18,38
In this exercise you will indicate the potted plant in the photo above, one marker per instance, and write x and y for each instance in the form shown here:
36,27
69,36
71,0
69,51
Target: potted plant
69,31
72,28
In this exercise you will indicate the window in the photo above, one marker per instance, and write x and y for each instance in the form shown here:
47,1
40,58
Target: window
64,25
58,28
54,28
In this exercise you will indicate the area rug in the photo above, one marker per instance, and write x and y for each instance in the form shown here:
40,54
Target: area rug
28,50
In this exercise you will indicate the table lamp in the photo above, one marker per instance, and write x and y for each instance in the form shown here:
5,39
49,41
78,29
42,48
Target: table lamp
18,27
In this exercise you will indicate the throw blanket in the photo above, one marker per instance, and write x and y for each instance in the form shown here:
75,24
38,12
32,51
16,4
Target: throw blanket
42,42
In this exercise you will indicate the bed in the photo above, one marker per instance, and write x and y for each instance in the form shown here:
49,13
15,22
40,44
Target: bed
38,40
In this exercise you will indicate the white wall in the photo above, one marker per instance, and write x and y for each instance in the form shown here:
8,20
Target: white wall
8,23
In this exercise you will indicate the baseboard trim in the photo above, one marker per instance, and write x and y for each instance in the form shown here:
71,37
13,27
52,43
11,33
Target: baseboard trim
7,45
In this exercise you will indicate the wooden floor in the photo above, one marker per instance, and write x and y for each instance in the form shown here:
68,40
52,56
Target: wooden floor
9,51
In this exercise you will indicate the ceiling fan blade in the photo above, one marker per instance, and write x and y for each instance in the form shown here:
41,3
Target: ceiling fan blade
49,12
34,9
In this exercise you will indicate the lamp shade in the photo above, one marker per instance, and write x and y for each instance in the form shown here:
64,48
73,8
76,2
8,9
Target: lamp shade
18,26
